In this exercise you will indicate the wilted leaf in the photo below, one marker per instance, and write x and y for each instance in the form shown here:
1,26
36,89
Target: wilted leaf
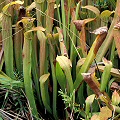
100,30
114,72
117,26
117,37
60,34
62,44
81,23
91,80
39,28
1,54
83,41
89,20
95,117
63,49
105,113
114,86
80,26
106,14
101,37
93,9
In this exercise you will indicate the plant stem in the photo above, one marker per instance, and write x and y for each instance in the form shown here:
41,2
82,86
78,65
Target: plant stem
27,64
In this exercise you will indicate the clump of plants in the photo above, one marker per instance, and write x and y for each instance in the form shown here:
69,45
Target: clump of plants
59,59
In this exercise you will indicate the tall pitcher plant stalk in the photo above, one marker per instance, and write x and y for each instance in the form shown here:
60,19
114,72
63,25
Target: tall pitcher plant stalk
51,47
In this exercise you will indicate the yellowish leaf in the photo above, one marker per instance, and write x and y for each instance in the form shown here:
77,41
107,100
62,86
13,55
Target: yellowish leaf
64,62
115,98
90,99
44,77
106,13
80,62
39,28
10,4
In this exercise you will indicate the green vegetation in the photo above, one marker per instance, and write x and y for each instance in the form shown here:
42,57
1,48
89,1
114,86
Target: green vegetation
59,59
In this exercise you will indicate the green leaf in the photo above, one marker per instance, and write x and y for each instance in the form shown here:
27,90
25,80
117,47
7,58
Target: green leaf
106,74
106,14
43,79
1,118
8,82
89,101
65,64
60,77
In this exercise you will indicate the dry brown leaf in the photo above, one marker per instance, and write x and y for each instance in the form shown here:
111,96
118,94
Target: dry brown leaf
79,24
1,54
93,9
114,86
100,30
91,80
95,117
117,26
117,37
114,72
105,113
101,38
63,48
